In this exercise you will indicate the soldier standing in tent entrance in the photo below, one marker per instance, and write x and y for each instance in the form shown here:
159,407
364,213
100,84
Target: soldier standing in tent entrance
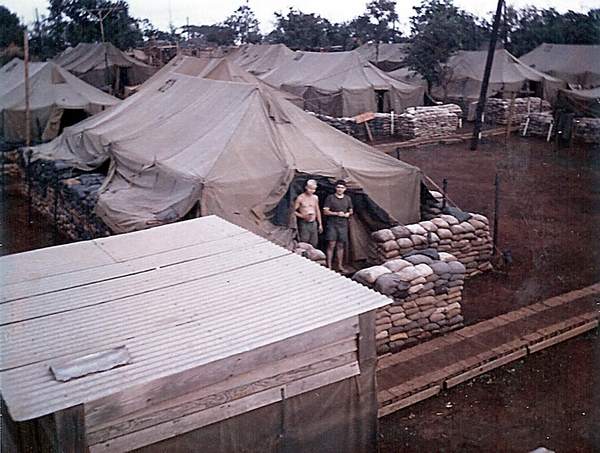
306,209
338,207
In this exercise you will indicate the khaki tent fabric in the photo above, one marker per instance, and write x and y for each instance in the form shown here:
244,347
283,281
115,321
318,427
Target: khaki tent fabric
233,148
408,76
342,84
578,65
52,90
214,68
508,75
581,102
100,65
259,59
387,57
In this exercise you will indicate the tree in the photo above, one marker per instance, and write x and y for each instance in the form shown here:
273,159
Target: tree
438,30
378,23
301,31
12,30
532,27
244,25
73,21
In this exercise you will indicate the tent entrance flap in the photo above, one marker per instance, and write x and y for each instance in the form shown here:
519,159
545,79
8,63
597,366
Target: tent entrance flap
368,216
61,118
382,99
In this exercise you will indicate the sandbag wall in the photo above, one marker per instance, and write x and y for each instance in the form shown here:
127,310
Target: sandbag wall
429,122
64,195
497,111
425,291
587,129
537,124
415,122
468,239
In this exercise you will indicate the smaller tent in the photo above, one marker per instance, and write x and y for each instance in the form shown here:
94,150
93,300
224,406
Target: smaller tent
578,65
103,65
342,84
408,76
508,75
580,102
213,68
259,59
387,57
56,99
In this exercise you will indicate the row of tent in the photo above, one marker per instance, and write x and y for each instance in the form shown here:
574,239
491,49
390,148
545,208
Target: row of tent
339,84
203,134
565,74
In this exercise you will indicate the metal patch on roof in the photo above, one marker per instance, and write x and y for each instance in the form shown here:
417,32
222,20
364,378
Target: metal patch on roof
92,363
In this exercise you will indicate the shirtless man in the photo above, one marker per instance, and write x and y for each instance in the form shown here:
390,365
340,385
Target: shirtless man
306,209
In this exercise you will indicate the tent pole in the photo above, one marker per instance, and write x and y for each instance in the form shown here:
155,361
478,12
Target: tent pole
486,77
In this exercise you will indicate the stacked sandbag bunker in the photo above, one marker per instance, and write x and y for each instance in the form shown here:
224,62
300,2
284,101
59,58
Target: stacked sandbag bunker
425,290
464,235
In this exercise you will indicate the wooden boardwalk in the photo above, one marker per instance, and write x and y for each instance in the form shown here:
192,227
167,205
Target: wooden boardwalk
420,372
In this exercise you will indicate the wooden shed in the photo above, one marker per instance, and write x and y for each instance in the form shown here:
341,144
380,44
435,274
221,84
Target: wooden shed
194,336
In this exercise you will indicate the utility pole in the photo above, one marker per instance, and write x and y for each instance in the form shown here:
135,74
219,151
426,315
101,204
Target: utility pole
27,110
101,14
486,77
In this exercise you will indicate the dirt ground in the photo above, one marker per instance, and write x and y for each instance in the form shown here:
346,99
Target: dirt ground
549,221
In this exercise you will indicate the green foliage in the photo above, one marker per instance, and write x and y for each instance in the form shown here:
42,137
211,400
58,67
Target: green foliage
377,24
244,25
307,32
73,21
11,29
531,27
438,30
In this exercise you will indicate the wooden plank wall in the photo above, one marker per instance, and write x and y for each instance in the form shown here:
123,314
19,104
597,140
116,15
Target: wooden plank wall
178,404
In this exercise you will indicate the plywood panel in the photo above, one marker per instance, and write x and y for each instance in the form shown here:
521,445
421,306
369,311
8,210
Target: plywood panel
197,420
160,390
227,390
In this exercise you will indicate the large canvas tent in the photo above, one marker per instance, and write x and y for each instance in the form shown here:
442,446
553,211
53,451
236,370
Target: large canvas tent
103,65
234,149
578,65
386,56
508,75
56,99
342,84
259,59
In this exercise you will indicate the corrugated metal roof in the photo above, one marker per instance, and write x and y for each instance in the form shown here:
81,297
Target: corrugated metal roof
204,288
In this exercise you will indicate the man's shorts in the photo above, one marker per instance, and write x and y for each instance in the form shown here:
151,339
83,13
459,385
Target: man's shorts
308,232
337,232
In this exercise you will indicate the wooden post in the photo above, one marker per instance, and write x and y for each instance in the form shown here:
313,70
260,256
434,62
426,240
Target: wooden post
511,111
27,113
496,207
366,338
70,430
368,130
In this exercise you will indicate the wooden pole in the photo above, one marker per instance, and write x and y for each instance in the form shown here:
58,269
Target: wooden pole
496,207
486,77
27,113
510,116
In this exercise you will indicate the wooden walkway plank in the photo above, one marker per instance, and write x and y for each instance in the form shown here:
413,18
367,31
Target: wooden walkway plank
419,372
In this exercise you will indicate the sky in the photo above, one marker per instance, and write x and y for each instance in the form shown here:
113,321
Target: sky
162,13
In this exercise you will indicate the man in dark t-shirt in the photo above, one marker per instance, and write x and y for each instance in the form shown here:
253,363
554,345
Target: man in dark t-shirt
338,209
